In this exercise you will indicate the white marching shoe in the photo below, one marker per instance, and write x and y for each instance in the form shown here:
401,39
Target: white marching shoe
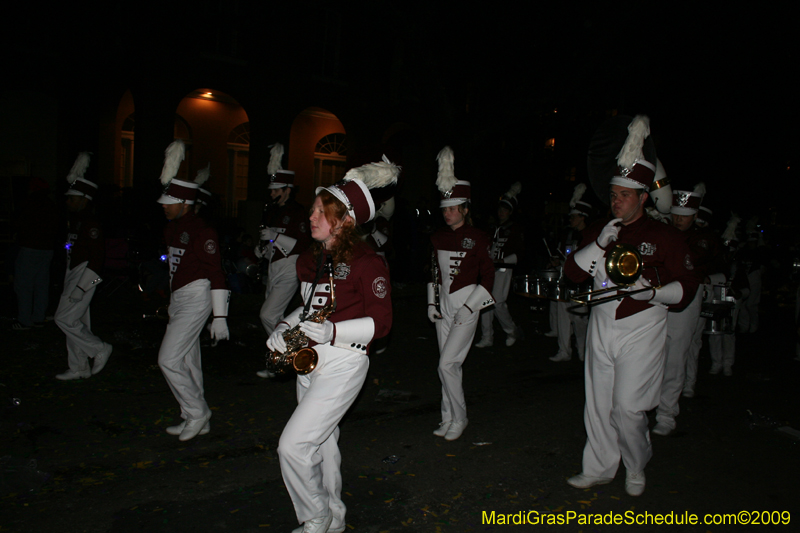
265,374
634,483
582,481
315,525
177,430
192,428
101,358
456,429
71,374
560,356
484,343
441,431
662,430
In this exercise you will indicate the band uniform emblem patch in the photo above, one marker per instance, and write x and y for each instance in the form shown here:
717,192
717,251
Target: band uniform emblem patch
94,233
341,271
286,220
647,248
302,227
184,238
687,262
467,243
210,246
379,287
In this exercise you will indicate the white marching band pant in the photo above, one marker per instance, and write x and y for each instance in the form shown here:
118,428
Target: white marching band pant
179,355
308,449
569,314
502,284
680,332
74,320
282,283
454,344
624,368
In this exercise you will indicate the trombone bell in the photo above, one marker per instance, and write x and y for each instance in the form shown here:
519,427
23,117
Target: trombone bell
623,267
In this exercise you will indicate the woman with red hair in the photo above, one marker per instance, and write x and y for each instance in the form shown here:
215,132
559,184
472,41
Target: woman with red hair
359,286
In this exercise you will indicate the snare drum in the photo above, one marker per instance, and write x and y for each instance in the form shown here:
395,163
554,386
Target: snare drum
718,312
531,287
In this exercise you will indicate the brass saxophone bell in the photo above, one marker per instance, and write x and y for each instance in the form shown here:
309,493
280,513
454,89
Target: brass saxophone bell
305,361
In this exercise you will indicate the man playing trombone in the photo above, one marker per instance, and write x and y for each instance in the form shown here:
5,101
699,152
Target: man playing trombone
626,335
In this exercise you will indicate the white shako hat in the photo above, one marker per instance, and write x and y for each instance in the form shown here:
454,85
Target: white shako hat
633,170
578,206
661,190
203,196
354,189
278,177
454,191
176,191
688,202
703,216
509,199
78,185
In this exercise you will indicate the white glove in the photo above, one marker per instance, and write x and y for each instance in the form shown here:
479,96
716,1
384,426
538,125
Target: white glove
275,342
461,315
433,316
321,333
609,233
268,234
76,295
219,329
644,296
258,252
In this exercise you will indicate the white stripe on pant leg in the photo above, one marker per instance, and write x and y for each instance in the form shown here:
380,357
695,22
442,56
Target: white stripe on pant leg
456,348
179,355
282,283
307,450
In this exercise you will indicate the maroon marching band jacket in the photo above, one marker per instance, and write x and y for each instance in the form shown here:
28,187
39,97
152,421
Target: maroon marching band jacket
291,220
706,248
476,267
193,252
507,239
663,248
362,288
85,241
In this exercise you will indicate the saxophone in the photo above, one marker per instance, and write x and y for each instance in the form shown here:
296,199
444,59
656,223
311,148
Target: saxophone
298,356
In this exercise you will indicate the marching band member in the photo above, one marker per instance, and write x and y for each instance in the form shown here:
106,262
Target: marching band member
709,262
625,351
308,450
283,237
466,278
506,249
723,347
682,324
570,317
198,288
85,255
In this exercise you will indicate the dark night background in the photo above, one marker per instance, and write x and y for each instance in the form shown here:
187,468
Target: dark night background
716,83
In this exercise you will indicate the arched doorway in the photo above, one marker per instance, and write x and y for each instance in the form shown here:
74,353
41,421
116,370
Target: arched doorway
317,151
216,130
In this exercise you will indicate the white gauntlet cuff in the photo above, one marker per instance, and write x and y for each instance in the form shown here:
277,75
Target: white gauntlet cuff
588,257
669,294
478,299
355,334
219,302
89,279
285,244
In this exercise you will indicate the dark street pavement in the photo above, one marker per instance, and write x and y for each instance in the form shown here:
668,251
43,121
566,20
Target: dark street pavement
92,455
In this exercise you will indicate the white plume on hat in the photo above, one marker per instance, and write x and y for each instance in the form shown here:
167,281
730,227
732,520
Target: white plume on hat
375,175
638,131
203,175
275,156
577,194
173,155
515,189
79,167
655,214
730,231
700,189
446,178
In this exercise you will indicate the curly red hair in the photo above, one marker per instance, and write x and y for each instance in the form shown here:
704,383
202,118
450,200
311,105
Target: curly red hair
347,234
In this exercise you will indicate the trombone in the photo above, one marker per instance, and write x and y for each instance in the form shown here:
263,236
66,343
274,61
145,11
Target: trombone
623,266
